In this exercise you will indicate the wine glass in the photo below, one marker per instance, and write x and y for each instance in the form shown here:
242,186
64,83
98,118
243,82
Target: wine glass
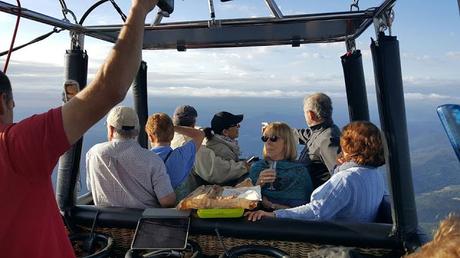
272,166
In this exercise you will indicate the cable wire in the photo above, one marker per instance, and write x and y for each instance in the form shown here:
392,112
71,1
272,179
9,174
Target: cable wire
5,68
35,40
94,6
123,16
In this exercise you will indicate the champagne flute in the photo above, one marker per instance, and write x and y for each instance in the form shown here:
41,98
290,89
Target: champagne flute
272,166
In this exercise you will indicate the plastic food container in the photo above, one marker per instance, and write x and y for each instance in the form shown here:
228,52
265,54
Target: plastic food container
220,213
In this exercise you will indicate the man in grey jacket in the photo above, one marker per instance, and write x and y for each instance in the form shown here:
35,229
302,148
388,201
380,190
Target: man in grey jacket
321,139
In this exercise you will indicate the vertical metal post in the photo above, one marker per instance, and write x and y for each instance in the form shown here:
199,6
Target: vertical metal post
140,102
76,68
274,8
458,1
390,98
355,85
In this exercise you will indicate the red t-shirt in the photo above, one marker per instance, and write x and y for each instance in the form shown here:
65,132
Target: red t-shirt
30,222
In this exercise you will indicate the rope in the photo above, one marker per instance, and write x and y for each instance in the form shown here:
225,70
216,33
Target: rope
94,6
5,68
37,39
123,16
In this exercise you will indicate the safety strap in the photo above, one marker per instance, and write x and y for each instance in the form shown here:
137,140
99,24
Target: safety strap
167,156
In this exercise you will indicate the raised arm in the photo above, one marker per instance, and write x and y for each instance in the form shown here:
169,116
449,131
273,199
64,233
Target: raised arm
113,79
196,134
216,170
300,135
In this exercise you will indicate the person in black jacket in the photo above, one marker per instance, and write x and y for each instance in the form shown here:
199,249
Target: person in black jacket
321,139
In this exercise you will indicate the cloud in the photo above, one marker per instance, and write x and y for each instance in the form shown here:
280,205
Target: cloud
430,96
429,81
333,46
212,92
417,57
241,9
455,55
315,55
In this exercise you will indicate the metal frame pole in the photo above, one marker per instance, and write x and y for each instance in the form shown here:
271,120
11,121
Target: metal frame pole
355,85
76,68
140,102
390,98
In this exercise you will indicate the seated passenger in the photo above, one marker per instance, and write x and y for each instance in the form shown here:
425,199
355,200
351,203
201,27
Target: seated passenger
218,162
183,116
179,162
186,116
355,190
285,183
321,139
121,173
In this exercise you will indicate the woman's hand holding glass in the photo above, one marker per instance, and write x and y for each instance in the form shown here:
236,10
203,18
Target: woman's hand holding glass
267,176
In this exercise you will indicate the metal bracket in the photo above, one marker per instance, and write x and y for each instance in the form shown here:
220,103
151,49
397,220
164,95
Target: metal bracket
180,46
295,42
159,17
354,4
351,45
384,21
77,40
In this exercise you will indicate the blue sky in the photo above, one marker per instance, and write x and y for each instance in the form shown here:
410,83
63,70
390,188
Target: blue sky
429,34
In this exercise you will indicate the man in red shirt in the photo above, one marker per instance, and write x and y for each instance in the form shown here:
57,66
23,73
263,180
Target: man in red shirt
30,223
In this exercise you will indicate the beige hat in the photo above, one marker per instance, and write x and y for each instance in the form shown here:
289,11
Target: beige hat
124,118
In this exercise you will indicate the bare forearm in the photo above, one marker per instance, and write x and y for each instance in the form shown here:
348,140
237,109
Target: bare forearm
196,134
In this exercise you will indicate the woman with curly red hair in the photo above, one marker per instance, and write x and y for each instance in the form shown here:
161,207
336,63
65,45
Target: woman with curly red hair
355,190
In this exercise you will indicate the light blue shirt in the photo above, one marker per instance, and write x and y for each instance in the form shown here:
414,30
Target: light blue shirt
352,194
180,161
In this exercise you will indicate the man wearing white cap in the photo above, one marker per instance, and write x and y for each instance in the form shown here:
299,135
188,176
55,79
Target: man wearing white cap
123,174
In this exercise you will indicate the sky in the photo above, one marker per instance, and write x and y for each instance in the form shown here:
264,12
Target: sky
428,31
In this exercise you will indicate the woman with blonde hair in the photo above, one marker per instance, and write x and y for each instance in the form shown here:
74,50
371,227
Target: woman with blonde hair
355,190
285,183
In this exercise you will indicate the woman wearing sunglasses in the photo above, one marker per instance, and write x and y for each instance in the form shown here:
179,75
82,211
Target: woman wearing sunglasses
288,183
355,190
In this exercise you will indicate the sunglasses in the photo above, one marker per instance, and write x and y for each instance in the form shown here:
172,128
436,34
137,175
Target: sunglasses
272,138
236,125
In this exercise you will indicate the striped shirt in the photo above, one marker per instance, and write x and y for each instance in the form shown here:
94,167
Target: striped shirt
353,194
123,174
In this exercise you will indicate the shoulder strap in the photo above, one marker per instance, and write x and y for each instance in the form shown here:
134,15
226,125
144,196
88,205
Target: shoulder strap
167,156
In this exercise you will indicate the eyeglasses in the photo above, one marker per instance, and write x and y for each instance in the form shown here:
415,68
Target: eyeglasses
272,138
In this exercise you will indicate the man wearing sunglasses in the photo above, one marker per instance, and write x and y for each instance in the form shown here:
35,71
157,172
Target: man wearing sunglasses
321,139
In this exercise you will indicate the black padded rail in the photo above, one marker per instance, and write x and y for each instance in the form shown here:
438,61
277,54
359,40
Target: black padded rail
110,217
359,235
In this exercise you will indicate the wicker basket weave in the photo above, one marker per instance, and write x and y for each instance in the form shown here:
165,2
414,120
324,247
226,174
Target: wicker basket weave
211,245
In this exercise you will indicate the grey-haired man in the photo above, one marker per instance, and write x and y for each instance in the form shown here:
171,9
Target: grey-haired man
321,139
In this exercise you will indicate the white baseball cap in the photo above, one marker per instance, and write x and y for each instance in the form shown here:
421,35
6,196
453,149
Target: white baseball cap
124,118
